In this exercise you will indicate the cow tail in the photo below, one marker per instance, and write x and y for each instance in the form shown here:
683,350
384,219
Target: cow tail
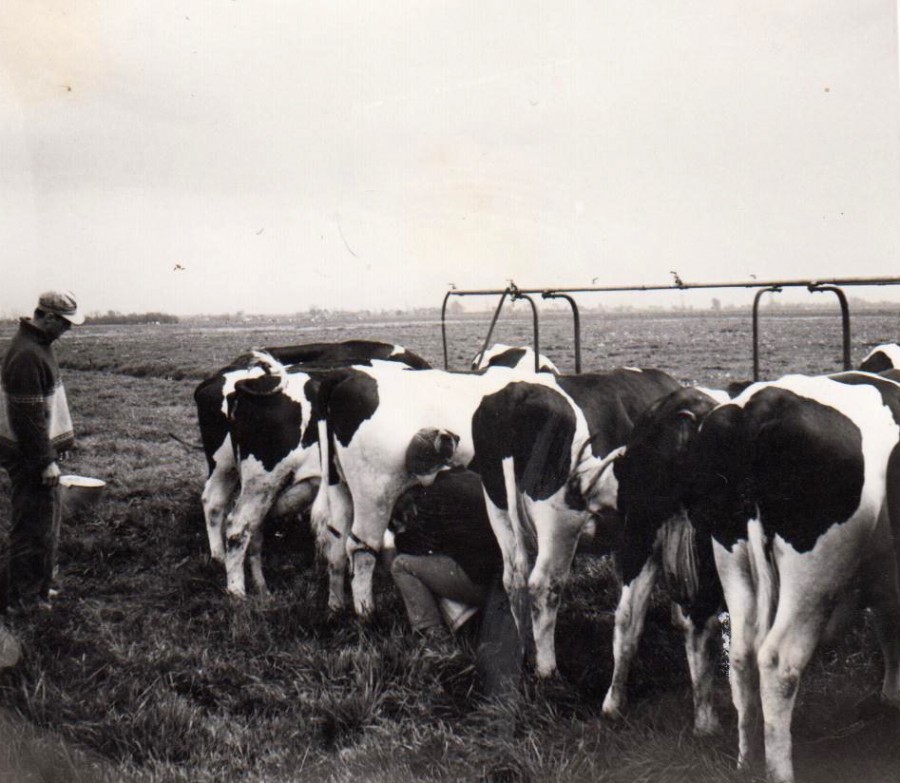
320,513
271,366
679,559
522,525
765,579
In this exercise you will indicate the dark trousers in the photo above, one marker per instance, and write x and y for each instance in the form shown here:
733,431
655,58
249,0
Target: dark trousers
500,653
29,563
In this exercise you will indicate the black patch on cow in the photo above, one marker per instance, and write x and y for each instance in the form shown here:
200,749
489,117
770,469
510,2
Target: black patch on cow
311,392
612,401
734,388
348,351
262,385
267,427
652,473
508,358
877,362
351,400
213,423
408,357
798,461
533,424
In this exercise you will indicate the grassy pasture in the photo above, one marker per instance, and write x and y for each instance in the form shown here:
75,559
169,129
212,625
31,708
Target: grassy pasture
146,671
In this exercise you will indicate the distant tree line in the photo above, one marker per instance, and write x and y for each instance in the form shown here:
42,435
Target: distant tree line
113,317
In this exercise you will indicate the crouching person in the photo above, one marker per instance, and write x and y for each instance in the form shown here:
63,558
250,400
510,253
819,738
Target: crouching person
448,570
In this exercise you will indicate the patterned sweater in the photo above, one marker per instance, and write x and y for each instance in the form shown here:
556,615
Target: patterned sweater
35,424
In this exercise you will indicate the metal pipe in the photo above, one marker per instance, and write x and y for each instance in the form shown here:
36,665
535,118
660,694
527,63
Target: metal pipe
764,286
845,317
846,281
444,325
503,296
534,317
770,289
576,319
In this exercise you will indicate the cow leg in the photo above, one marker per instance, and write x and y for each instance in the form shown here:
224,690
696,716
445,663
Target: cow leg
782,657
254,555
218,498
630,614
885,591
557,538
370,519
882,594
699,644
331,536
737,585
244,523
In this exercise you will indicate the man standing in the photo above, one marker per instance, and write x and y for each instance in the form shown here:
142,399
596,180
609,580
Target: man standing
35,430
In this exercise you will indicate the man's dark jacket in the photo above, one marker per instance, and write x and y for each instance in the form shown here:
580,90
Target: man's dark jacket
35,424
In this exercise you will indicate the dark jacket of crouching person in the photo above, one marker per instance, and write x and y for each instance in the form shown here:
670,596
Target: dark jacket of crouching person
448,570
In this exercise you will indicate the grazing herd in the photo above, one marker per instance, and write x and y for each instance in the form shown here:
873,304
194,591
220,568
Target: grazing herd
769,505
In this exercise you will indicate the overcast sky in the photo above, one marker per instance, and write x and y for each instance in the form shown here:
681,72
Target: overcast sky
223,155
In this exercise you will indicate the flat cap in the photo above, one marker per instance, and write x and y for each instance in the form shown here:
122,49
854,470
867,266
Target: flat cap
62,303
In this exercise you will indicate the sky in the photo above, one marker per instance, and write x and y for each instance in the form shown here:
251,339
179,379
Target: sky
267,157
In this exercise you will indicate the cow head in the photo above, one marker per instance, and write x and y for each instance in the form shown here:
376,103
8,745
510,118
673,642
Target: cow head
430,451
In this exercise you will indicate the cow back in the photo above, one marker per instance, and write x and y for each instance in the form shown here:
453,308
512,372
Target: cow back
613,400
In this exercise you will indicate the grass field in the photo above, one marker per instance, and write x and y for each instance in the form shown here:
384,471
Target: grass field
146,671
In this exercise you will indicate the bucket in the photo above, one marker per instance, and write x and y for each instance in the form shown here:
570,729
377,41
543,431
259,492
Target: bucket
78,493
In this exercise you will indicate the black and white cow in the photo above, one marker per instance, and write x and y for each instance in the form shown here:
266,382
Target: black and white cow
796,482
274,428
390,431
274,431
647,483
535,447
882,357
212,397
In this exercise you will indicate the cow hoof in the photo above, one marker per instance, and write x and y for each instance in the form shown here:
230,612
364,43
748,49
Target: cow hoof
612,708
707,728
613,714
